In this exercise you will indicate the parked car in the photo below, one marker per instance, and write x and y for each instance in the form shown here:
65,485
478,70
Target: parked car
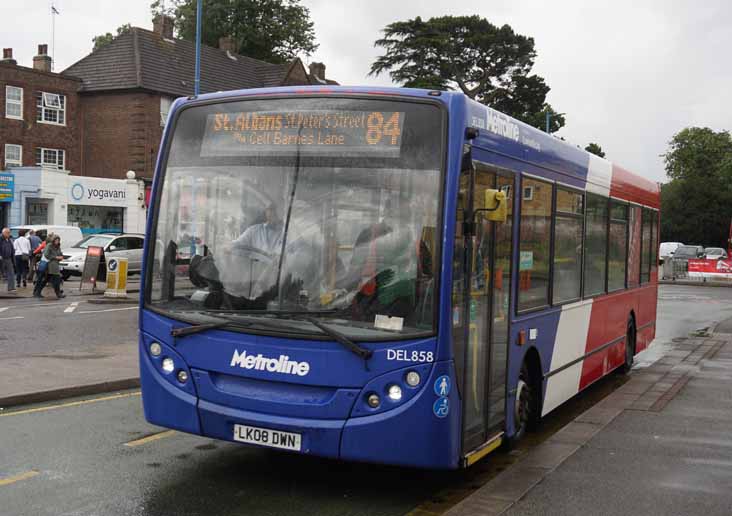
667,250
115,246
689,252
70,235
715,253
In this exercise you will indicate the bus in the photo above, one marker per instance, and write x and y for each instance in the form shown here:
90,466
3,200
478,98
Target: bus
387,275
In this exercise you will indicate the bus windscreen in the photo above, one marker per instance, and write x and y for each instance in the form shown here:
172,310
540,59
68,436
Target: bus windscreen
295,208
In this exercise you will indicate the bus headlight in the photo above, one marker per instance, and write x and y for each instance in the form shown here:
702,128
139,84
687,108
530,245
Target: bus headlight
412,378
155,349
168,365
373,400
394,392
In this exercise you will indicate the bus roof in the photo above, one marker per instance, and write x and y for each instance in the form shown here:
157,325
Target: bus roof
542,154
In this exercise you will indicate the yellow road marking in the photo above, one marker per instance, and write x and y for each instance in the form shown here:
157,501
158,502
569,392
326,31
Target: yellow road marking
70,404
17,478
150,438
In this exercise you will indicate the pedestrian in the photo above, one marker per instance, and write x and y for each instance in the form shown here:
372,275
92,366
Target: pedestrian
22,249
35,243
54,255
7,256
42,269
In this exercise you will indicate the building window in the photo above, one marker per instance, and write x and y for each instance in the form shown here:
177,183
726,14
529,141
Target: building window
528,193
50,158
50,108
617,254
165,103
568,229
596,227
13,155
535,231
14,102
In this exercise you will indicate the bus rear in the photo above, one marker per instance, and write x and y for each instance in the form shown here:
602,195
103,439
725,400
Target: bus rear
291,277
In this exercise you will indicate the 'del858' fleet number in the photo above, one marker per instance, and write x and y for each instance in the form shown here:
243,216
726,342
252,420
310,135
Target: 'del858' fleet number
404,355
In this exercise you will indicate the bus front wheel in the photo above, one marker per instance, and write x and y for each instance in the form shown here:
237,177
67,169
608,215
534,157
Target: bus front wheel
526,406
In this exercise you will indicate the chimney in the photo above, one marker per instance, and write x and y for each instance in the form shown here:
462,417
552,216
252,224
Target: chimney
228,44
317,72
42,61
163,26
8,57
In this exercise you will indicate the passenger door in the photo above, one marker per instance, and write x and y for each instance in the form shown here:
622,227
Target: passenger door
481,300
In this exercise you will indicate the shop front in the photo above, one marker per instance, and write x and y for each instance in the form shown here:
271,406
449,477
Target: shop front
95,205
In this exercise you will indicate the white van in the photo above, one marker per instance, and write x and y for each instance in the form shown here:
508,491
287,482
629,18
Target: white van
70,235
667,250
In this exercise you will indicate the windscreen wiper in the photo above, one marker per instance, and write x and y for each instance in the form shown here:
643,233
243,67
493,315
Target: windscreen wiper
354,348
197,328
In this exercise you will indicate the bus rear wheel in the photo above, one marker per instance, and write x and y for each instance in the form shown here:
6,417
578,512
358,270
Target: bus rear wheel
526,406
630,336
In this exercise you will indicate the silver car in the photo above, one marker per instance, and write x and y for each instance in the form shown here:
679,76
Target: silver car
128,245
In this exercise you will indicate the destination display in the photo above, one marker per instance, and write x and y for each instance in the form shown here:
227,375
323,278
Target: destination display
322,132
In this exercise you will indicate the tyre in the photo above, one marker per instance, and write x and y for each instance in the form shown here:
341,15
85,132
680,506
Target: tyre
630,336
526,407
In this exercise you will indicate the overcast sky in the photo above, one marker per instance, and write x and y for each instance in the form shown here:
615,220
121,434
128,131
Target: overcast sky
628,74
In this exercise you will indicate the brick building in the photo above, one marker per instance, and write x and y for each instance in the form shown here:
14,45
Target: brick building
40,114
39,118
129,85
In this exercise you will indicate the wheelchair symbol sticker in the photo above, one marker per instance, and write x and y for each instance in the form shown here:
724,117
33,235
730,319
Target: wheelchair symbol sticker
442,386
441,407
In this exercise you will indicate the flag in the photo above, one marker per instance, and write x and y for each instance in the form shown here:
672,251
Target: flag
54,10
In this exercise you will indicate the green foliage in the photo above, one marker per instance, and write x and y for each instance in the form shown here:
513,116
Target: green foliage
488,63
697,203
275,31
105,39
595,149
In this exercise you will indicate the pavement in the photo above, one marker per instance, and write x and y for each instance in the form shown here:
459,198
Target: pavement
658,445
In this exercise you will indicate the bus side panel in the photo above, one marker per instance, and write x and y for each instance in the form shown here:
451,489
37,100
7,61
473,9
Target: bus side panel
646,317
412,434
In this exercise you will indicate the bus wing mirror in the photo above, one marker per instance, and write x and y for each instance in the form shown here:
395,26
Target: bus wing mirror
496,206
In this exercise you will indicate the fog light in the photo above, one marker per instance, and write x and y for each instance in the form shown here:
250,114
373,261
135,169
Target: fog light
413,378
155,349
168,365
182,376
373,400
394,392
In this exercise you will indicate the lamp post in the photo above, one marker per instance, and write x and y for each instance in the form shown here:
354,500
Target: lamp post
197,80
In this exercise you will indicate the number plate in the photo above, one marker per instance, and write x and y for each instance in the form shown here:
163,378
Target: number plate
267,437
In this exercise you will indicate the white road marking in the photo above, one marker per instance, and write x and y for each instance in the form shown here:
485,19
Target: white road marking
4,308
71,308
9,318
108,310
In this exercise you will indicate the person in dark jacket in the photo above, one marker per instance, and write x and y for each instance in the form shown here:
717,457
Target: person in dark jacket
7,258
35,243
54,255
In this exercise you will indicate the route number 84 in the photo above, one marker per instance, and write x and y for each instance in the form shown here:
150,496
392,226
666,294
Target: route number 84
377,128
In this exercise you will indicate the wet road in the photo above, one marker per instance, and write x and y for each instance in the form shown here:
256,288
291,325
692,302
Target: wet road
99,457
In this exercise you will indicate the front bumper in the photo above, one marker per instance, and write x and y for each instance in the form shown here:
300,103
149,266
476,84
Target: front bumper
409,434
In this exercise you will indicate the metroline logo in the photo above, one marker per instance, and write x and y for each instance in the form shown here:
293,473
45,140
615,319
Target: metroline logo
283,364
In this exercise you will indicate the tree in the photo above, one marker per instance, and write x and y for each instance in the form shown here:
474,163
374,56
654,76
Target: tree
595,149
271,30
697,202
105,39
468,53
